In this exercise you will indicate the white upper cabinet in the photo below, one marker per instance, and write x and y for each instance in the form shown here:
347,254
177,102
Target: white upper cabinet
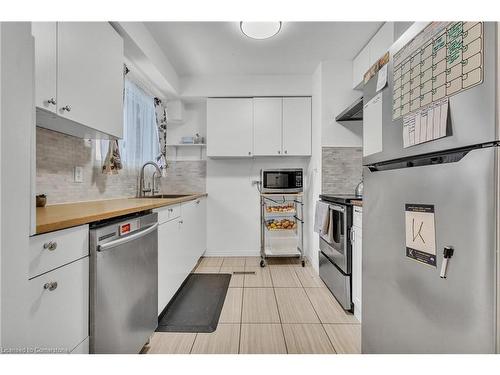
238,127
45,34
230,127
360,66
374,50
297,126
90,75
80,66
267,126
381,42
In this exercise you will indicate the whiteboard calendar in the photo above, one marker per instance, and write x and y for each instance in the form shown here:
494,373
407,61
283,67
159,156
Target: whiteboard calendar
444,59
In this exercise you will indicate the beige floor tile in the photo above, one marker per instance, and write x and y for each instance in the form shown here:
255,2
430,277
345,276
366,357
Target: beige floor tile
259,306
252,262
346,338
233,262
284,277
327,307
307,339
231,311
294,306
280,261
171,343
260,279
206,269
262,339
211,261
225,340
308,277
236,279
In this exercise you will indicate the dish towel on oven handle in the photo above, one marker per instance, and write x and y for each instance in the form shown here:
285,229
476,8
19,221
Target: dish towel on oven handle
322,219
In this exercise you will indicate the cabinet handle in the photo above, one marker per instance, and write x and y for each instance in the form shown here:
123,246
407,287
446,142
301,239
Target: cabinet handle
249,153
170,210
181,221
279,152
286,152
51,245
52,101
66,108
198,201
50,286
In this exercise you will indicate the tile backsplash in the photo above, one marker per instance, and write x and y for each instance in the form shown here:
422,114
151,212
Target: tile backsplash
342,169
57,154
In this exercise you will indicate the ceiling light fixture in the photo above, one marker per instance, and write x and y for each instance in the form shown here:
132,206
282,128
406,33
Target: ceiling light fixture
260,30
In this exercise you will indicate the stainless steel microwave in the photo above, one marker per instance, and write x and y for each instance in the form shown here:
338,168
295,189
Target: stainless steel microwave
281,180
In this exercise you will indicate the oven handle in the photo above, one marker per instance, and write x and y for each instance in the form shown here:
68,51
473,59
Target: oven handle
334,207
129,238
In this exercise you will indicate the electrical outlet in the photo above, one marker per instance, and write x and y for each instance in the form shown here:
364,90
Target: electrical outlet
78,174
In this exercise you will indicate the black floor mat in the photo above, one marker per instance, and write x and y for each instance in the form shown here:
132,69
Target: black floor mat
197,305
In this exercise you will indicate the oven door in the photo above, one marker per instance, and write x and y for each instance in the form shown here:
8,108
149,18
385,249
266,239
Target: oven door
335,245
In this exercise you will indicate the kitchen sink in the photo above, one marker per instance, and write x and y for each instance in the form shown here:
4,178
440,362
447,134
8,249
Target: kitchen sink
169,196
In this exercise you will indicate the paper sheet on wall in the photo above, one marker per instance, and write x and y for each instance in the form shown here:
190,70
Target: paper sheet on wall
382,78
426,124
372,126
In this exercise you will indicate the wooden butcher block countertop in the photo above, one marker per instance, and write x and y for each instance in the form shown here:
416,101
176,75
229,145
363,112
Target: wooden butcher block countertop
61,216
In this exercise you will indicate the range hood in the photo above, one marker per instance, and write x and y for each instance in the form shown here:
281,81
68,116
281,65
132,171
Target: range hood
352,113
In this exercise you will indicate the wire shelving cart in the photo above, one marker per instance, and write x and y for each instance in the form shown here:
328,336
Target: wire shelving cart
282,226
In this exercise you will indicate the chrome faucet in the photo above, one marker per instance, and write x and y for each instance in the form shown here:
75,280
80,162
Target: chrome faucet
151,189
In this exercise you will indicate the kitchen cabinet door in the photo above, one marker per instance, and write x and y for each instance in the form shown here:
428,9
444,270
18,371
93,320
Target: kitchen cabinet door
59,307
360,66
381,42
90,75
201,227
229,127
267,126
297,126
171,268
192,231
45,35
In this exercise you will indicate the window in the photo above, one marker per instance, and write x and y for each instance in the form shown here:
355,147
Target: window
140,141
140,133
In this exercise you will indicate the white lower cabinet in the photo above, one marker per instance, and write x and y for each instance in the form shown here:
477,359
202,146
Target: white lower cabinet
171,271
181,242
59,308
357,247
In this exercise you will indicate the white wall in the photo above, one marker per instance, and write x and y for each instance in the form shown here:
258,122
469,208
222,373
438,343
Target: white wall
337,95
314,167
233,205
246,85
17,123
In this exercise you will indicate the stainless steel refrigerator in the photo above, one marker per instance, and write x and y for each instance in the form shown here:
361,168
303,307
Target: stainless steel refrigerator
407,306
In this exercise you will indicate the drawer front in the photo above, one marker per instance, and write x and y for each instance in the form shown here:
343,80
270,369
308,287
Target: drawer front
168,213
357,218
59,313
52,250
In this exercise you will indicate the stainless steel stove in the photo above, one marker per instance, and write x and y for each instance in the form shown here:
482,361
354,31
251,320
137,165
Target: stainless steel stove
335,256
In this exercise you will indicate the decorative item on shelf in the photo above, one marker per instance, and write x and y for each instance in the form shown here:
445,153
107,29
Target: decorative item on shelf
187,140
198,139
41,200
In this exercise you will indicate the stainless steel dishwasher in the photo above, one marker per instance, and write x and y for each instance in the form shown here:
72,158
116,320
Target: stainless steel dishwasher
123,283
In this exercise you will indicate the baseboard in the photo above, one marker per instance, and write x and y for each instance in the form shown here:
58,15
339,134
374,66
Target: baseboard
246,253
